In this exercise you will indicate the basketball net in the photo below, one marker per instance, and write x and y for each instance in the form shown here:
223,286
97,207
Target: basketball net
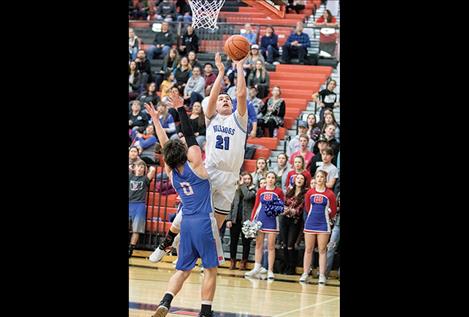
205,13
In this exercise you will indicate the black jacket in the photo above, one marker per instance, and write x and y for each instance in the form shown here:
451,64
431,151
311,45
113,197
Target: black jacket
246,196
191,42
167,38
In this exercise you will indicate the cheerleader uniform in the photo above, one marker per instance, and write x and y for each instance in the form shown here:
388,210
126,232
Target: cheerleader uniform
320,207
263,198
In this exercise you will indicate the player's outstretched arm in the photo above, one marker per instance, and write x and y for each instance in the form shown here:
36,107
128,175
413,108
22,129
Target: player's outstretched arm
212,100
160,132
241,87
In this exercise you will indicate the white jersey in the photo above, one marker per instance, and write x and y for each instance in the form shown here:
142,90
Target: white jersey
225,142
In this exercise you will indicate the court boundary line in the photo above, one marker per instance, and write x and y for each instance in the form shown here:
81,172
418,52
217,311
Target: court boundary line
306,307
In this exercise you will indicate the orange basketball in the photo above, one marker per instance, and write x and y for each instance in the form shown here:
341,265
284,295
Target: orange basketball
237,47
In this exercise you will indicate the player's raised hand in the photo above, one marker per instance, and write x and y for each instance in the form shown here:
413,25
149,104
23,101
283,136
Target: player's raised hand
154,113
218,63
175,100
241,61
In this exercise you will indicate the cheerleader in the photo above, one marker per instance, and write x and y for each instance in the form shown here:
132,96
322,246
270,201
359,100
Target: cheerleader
268,205
320,205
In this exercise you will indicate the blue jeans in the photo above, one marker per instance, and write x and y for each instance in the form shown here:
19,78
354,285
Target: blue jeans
270,53
153,50
333,242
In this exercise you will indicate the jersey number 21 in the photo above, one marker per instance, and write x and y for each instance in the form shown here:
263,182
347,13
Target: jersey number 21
221,140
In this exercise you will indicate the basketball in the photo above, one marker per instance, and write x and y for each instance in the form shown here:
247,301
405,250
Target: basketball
237,47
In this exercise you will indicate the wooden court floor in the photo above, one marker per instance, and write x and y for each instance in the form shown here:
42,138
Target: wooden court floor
234,296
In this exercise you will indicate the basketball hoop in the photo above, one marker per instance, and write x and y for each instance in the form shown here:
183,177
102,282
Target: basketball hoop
205,13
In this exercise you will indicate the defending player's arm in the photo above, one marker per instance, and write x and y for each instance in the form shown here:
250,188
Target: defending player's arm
194,154
160,132
241,88
212,100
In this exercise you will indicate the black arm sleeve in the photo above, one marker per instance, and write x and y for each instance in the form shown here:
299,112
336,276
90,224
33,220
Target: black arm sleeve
186,128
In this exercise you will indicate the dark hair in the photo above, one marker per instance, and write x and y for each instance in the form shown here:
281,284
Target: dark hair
208,64
174,153
284,154
302,160
270,26
329,16
248,174
291,191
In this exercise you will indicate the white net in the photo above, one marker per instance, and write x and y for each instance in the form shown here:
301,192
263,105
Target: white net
205,13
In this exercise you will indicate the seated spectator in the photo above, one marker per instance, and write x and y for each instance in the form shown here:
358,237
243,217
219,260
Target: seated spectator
209,77
291,222
134,44
298,168
253,57
282,169
149,95
241,209
313,129
327,166
328,35
166,11
195,88
166,120
329,118
249,34
252,117
151,10
326,98
144,65
189,41
192,56
260,79
138,119
182,73
183,10
269,45
260,172
162,42
273,112
256,102
170,61
135,81
167,84
137,10
147,144
297,45
294,143
297,5
319,147
303,151
329,132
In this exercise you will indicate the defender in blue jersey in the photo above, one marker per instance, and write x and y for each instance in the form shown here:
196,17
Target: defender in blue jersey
199,231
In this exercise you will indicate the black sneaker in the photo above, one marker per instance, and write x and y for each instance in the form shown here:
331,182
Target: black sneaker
131,250
162,310
206,315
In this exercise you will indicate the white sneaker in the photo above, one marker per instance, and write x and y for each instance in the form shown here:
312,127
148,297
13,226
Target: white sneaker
253,273
270,275
304,278
201,269
322,279
157,255
263,270
175,262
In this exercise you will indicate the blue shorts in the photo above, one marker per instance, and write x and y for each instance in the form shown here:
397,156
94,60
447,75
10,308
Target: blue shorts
137,215
199,239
